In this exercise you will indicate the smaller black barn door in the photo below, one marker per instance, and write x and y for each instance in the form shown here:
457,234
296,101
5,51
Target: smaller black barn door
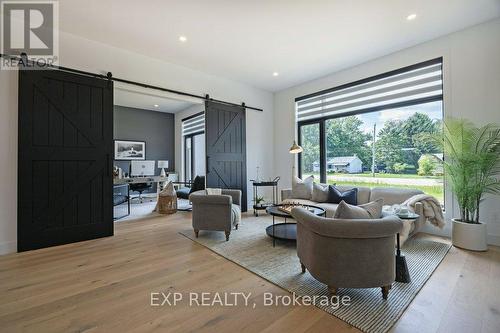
225,137
64,165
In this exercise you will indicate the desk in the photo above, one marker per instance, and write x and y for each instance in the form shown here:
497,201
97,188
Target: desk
148,179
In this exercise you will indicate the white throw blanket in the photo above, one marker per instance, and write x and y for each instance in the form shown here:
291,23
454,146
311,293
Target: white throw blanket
432,208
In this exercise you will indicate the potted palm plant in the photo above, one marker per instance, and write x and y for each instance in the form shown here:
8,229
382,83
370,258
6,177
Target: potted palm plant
472,167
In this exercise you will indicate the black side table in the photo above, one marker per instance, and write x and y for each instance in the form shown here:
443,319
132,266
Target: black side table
402,272
274,184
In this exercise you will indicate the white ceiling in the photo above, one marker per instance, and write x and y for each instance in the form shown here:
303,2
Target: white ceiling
247,40
146,99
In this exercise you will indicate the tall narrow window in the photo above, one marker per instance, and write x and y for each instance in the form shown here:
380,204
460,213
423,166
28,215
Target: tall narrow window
310,157
376,130
193,132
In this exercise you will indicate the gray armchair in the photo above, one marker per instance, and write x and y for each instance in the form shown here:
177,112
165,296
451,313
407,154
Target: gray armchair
216,212
347,253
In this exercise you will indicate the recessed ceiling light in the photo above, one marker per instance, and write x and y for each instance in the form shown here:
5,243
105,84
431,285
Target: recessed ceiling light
276,73
411,17
156,105
183,38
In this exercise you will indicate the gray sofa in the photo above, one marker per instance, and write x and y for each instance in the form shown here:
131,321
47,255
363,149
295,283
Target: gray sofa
391,196
347,253
216,212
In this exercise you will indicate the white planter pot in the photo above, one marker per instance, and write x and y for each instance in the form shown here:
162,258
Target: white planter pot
469,236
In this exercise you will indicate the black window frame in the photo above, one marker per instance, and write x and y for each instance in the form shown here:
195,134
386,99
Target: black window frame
322,120
190,136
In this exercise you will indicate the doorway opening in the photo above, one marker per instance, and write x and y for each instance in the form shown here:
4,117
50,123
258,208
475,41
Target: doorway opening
146,149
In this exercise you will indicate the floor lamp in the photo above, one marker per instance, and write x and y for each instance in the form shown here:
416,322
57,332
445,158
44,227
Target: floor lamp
294,150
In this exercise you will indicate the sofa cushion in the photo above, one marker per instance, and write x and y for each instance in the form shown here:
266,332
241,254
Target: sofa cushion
363,192
235,214
213,191
302,188
336,196
183,192
329,208
392,195
371,210
319,193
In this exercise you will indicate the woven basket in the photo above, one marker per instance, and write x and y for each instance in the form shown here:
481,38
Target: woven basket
167,204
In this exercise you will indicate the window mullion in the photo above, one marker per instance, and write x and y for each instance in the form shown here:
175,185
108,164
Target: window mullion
322,152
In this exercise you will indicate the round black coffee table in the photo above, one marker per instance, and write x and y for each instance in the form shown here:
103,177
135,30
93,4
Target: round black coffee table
287,231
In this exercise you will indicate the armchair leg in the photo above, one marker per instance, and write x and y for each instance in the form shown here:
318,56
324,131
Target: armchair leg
196,232
303,267
227,235
385,291
333,290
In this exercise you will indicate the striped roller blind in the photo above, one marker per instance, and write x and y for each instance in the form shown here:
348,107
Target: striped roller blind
412,85
193,125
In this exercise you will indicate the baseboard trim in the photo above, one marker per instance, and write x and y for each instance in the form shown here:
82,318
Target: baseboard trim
494,240
8,247
446,232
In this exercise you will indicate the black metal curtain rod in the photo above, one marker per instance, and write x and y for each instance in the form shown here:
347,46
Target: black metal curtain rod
109,76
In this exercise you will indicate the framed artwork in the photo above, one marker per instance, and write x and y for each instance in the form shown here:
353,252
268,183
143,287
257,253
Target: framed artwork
130,150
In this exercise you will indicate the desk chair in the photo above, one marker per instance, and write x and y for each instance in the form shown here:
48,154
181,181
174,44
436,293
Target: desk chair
140,187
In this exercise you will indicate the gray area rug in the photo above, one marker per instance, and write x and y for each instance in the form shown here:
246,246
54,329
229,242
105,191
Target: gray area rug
252,249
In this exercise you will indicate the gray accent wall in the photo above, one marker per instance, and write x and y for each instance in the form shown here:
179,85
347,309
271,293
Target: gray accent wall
155,128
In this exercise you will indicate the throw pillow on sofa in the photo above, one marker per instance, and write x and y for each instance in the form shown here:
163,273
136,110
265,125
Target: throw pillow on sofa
320,193
213,191
371,210
336,196
302,188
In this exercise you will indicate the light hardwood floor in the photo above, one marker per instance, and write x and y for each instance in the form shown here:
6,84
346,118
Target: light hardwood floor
104,285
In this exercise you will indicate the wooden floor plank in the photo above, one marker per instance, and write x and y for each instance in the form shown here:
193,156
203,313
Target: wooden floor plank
104,285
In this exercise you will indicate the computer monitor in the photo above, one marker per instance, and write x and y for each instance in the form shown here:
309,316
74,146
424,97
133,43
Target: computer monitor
142,168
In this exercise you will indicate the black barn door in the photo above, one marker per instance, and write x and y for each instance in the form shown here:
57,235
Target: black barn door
225,137
64,164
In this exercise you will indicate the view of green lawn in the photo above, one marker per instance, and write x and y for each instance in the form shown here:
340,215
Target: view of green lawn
390,175
377,175
436,190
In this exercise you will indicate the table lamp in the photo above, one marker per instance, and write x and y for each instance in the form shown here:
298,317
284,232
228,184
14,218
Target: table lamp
162,165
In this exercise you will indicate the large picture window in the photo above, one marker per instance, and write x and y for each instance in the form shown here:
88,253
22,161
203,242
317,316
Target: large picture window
375,132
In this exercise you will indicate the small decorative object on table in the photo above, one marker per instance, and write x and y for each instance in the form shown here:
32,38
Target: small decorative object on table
259,202
287,208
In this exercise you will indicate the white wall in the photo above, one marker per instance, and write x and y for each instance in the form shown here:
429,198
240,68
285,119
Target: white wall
471,90
76,52
8,161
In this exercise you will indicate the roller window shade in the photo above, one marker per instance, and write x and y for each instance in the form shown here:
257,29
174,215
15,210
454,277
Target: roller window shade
193,125
407,87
